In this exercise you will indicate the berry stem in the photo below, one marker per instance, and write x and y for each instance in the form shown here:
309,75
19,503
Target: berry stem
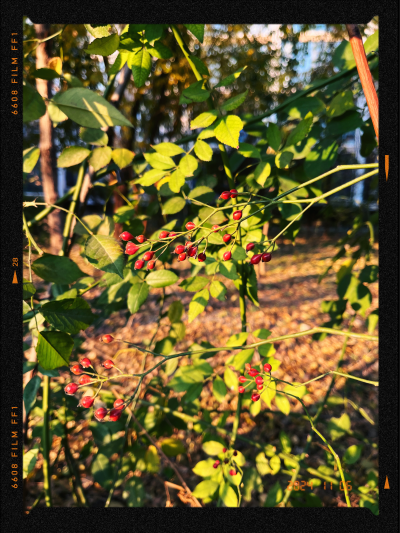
46,441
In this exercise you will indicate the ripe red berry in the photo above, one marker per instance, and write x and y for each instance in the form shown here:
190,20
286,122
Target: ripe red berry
260,386
250,246
76,369
148,256
86,363
131,248
151,265
71,388
182,257
224,450
225,195
118,403
217,462
255,397
237,215
100,413
266,258
107,338
201,257
108,364
259,379
163,234
139,264
115,414
190,225
172,234
188,245
84,379
232,472
253,372
255,259
267,367
241,388
215,228
242,379
179,249
227,256
86,402
234,193
215,465
227,237
141,239
192,251
126,236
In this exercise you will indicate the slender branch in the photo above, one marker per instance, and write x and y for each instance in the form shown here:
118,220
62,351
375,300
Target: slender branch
29,236
46,440
70,215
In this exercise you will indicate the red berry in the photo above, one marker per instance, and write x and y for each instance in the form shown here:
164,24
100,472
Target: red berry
163,234
227,237
190,225
227,256
126,236
260,386
100,413
182,257
141,239
253,372
224,450
86,402
192,251
108,364
266,258
71,388
188,245
259,379
267,367
237,215
250,246
235,453
118,403
76,369
242,379
226,461
115,414
215,228
225,195
255,397
148,256
232,472
201,257
131,248
255,259
179,249
139,264
241,388
107,338
217,462
86,363
151,265
215,465
172,234
84,379
234,193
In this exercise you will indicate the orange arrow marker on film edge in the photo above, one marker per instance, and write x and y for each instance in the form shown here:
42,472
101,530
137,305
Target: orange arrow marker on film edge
387,166
386,484
15,279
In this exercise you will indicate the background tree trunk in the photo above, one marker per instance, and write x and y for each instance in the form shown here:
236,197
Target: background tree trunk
47,152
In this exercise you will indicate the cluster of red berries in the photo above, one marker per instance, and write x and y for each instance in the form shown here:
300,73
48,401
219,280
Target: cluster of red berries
227,460
258,380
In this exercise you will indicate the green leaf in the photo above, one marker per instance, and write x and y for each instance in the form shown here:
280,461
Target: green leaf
32,104
262,333
46,74
188,164
289,211
151,177
230,379
201,67
153,32
228,130
193,392
240,359
69,315
205,468
29,461
122,58
102,471
104,46
228,270
349,121
165,346
304,105
137,295
27,288
372,321
203,151
285,442
93,136
140,64
296,389
159,161
152,460
321,159
198,304
105,253
194,93
358,295
168,149
231,78
122,157
134,493
282,404
369,274
203,120
173,205
30,157
219,389
228,495
172,447
338,427
176,181
248,150
275,462
53,349
175,311
161,278
72,81
301,131
197,30
238,339
30,392
72,156
194,284
98,30
341,103
205,489
218,290
160,51
88,109
262,172
274,496
213,447
274,136
234,102
56,269
283,159
203,194
353,454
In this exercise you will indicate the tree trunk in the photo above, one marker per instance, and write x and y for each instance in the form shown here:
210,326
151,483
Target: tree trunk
47,151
